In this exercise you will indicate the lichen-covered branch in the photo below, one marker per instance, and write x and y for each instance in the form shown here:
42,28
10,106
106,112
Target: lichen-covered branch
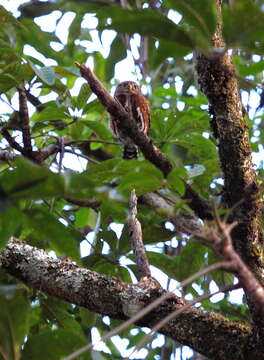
218,81
110,296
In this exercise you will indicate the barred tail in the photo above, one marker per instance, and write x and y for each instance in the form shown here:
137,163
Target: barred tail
130,152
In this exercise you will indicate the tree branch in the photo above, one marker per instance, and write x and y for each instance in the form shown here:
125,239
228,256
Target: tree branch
218,81
7,156
23,113
12,142
110,296
135,234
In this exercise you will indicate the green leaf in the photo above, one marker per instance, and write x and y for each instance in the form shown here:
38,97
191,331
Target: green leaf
144,177
175,180
30,181
145,22
195,170
117,53
99,65
10,220
198,146
7,82
243,25
92,106
6,17
49,229
200,14
53,344
51,112
83,96
164,262
191,260
46,73
103,172
99,128
58,312
14,323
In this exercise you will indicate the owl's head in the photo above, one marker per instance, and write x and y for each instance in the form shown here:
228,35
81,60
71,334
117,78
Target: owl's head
127,87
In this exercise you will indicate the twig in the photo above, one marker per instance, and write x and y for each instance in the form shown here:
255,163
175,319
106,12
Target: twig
135,234
85,203
62,150
35,101
23,113
150,151
11,141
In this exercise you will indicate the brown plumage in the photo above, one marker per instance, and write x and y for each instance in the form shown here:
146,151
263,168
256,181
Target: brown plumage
129,95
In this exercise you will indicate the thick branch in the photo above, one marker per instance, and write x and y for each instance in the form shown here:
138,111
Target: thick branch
218,81
112,297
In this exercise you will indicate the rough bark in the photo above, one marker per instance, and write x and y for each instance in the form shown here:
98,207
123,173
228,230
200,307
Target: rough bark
218,81
208,333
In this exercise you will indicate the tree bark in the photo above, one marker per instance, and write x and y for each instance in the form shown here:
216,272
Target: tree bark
218,81
208,333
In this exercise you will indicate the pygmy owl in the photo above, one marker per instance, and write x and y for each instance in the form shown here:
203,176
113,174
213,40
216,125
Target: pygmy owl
129,95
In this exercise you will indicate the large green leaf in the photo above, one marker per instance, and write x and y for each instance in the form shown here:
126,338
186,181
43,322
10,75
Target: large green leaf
99,128
14,323
143,177
50,230
117,53
146,22
243,25
83,96
10,220
200,14
53,344
166,263
30,181
45,73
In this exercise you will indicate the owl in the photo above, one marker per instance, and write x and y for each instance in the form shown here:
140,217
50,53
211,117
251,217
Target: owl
129,95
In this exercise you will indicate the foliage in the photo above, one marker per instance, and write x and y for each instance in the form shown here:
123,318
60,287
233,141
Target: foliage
33,198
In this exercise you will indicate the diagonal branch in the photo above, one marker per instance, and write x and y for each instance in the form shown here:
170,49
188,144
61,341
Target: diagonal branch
110,296
11,141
